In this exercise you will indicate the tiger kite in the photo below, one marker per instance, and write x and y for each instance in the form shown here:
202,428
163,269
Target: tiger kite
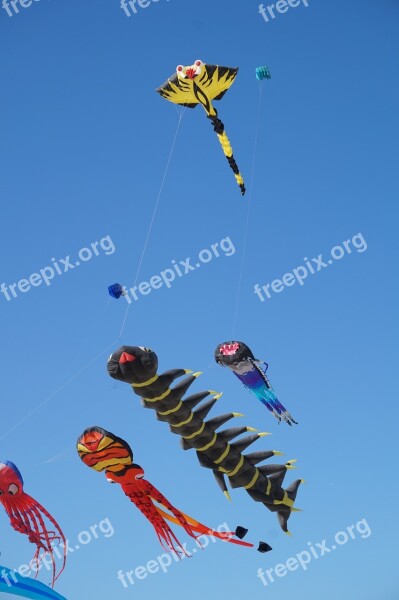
201,83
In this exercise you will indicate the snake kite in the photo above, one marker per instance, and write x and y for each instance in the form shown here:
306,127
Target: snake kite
252,373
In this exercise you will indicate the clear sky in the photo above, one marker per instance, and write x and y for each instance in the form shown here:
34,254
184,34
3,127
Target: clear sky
83,148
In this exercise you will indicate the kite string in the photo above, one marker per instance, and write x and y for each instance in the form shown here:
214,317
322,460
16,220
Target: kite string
95,358
58,390
248,213
154,214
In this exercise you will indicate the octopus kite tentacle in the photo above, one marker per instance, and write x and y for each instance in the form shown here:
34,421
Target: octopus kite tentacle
27,517
138,367
103,451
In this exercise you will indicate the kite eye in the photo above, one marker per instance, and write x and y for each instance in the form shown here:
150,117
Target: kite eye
140,476
198,63
13,489
180,71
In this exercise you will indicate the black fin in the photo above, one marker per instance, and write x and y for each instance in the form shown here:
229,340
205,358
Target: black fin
194,399
256,457
241,532
229,434
219,421
241,445
221,482
203,411
263,547
185,444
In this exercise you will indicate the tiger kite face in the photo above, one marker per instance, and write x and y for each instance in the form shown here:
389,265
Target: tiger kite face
190,72
102,450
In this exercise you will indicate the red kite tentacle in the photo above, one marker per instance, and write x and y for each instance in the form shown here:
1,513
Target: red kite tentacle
156,494
58,533
163,529
139,495
160,539
49,549
14,515
57,530
226,536
191,526
16,510
30,520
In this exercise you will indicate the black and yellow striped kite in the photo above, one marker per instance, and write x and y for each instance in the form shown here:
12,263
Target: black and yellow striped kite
200,84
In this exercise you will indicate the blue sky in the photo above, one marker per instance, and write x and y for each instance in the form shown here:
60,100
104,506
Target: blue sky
83,148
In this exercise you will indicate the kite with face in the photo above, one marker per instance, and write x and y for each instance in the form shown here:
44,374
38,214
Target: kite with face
103,451
138,367
27,516
252,373
200,84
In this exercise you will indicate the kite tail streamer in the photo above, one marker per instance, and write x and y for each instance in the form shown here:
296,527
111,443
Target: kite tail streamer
218,127
226,536
270,400
190,525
